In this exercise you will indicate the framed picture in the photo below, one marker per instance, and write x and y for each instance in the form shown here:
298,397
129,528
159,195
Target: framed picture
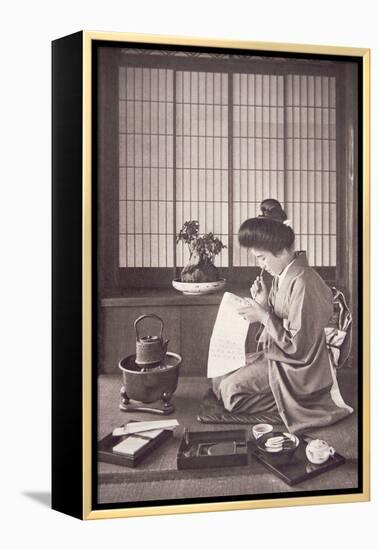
210,275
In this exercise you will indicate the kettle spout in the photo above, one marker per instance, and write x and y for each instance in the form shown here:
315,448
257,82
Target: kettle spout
164,347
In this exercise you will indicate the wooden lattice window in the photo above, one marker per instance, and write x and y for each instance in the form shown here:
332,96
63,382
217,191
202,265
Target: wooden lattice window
210,146
207,136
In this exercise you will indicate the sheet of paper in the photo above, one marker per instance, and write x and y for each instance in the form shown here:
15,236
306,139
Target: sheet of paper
227,345
137,427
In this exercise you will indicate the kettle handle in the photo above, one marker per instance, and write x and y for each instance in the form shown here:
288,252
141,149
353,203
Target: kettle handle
152,315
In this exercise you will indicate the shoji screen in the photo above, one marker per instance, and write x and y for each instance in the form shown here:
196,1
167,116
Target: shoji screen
284,147
202,155
211,146
146,155
258,149
310,191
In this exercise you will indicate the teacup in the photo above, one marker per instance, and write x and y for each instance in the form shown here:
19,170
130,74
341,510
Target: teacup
261,429
318,451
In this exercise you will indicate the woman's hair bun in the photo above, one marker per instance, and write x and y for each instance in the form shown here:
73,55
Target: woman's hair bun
272,209
268,230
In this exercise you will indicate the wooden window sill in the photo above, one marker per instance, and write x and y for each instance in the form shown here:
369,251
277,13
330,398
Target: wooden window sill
166,297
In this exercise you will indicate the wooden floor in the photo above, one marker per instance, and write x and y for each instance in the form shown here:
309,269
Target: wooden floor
157,478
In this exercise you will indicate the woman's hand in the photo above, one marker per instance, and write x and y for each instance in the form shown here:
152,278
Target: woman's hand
254,312
259,292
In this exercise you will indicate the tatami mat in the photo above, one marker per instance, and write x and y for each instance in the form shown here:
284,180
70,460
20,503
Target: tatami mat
157,476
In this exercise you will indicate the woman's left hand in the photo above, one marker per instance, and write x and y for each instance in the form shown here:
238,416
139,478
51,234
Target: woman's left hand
254,313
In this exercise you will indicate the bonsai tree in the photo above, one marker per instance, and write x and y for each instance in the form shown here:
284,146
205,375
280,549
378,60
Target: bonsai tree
203,250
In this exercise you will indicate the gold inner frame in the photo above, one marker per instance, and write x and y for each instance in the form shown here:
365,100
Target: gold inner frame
88,513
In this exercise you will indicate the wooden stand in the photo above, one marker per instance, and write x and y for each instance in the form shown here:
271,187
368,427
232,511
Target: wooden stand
127,406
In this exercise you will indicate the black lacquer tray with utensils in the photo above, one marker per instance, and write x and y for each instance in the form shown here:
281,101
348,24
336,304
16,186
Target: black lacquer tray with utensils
210,449
297,468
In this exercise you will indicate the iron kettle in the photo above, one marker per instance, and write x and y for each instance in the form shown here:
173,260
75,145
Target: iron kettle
150,350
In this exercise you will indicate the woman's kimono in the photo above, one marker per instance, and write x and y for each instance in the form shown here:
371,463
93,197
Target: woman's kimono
293,369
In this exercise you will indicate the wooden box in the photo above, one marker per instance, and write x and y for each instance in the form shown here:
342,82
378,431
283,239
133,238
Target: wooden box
212,449
107,453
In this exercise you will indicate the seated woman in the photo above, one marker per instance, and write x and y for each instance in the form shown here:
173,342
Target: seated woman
292,374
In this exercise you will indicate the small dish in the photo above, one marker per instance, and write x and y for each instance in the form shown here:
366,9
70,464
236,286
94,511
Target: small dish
279,446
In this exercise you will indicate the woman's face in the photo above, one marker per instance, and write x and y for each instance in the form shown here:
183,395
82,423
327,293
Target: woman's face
272,263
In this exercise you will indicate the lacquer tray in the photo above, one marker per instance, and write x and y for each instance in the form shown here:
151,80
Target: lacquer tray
210,449
105,452
298,468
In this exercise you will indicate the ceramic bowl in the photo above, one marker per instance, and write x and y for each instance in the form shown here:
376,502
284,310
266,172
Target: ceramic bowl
194,289
259,430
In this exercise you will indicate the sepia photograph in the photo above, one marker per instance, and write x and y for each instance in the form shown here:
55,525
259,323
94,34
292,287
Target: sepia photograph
228,254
